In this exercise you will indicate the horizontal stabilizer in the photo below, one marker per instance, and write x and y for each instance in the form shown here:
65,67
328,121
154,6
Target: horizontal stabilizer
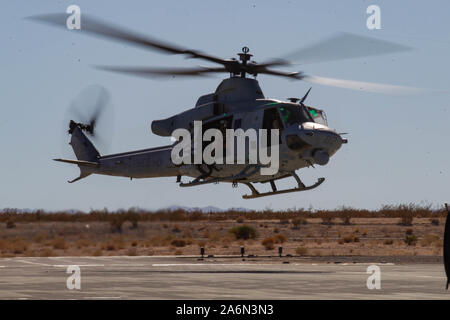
79,162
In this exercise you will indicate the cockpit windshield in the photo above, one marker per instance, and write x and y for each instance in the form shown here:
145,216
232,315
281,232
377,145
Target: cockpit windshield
294,114
317,115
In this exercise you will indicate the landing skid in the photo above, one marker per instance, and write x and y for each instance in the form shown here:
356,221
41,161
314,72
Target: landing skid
301,187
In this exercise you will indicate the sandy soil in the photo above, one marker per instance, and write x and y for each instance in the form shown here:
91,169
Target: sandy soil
362,237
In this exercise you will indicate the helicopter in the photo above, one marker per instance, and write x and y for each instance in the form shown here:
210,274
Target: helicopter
304,138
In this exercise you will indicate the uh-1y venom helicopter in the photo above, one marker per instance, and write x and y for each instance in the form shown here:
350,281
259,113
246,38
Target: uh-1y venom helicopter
238,102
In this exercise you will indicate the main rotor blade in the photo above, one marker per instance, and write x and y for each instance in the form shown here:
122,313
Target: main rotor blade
97,27
292,75
366,86
344,46
162,72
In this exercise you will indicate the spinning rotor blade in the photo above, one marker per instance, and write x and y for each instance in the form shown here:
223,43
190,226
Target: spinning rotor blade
97,27
366,86
162,72
344,46
292,75
92,109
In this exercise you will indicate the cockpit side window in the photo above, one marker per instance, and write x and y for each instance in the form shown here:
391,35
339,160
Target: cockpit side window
318,116
294,114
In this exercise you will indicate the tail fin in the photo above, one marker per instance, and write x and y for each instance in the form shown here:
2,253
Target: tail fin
85,152
83,147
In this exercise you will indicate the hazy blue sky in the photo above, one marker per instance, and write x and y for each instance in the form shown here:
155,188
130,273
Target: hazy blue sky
398,150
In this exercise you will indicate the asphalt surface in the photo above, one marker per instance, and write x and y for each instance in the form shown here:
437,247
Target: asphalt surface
189,278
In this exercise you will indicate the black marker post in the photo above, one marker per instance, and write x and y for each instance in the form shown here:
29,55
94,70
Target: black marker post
447,246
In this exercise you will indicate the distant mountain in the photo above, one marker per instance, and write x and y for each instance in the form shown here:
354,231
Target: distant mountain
207,209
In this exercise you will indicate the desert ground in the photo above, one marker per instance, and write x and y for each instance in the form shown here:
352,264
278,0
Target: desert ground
406,230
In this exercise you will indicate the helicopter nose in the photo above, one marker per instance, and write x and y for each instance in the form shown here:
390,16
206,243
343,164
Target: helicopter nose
315,141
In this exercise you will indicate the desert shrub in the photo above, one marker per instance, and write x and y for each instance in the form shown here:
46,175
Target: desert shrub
406,219
279,238
284,221
297,222
410,240
348,239
19,247
327,217
276,230
81,243
409,231
346,217
176,229
268,243
59,243
178,252
47,252
10,224
116,225
134,224
40,237
388,241
301,251
178,243
134,243
430,240
240,220
132,252
434,222
243,232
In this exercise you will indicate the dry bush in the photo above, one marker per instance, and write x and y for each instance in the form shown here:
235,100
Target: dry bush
132,252
10,224
297,222
214,236
434,222
134,243
268,243
59,243
410,240
406,219
409,231
178,243
47,252
431,240
116,225
83,243
116,243
187,233
388,242
301,251
279,238
134,223
284,221
18,246
176,229
326,216
276,230
201,243
348,239
243,232
178,252
97,253
40,237
240,220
